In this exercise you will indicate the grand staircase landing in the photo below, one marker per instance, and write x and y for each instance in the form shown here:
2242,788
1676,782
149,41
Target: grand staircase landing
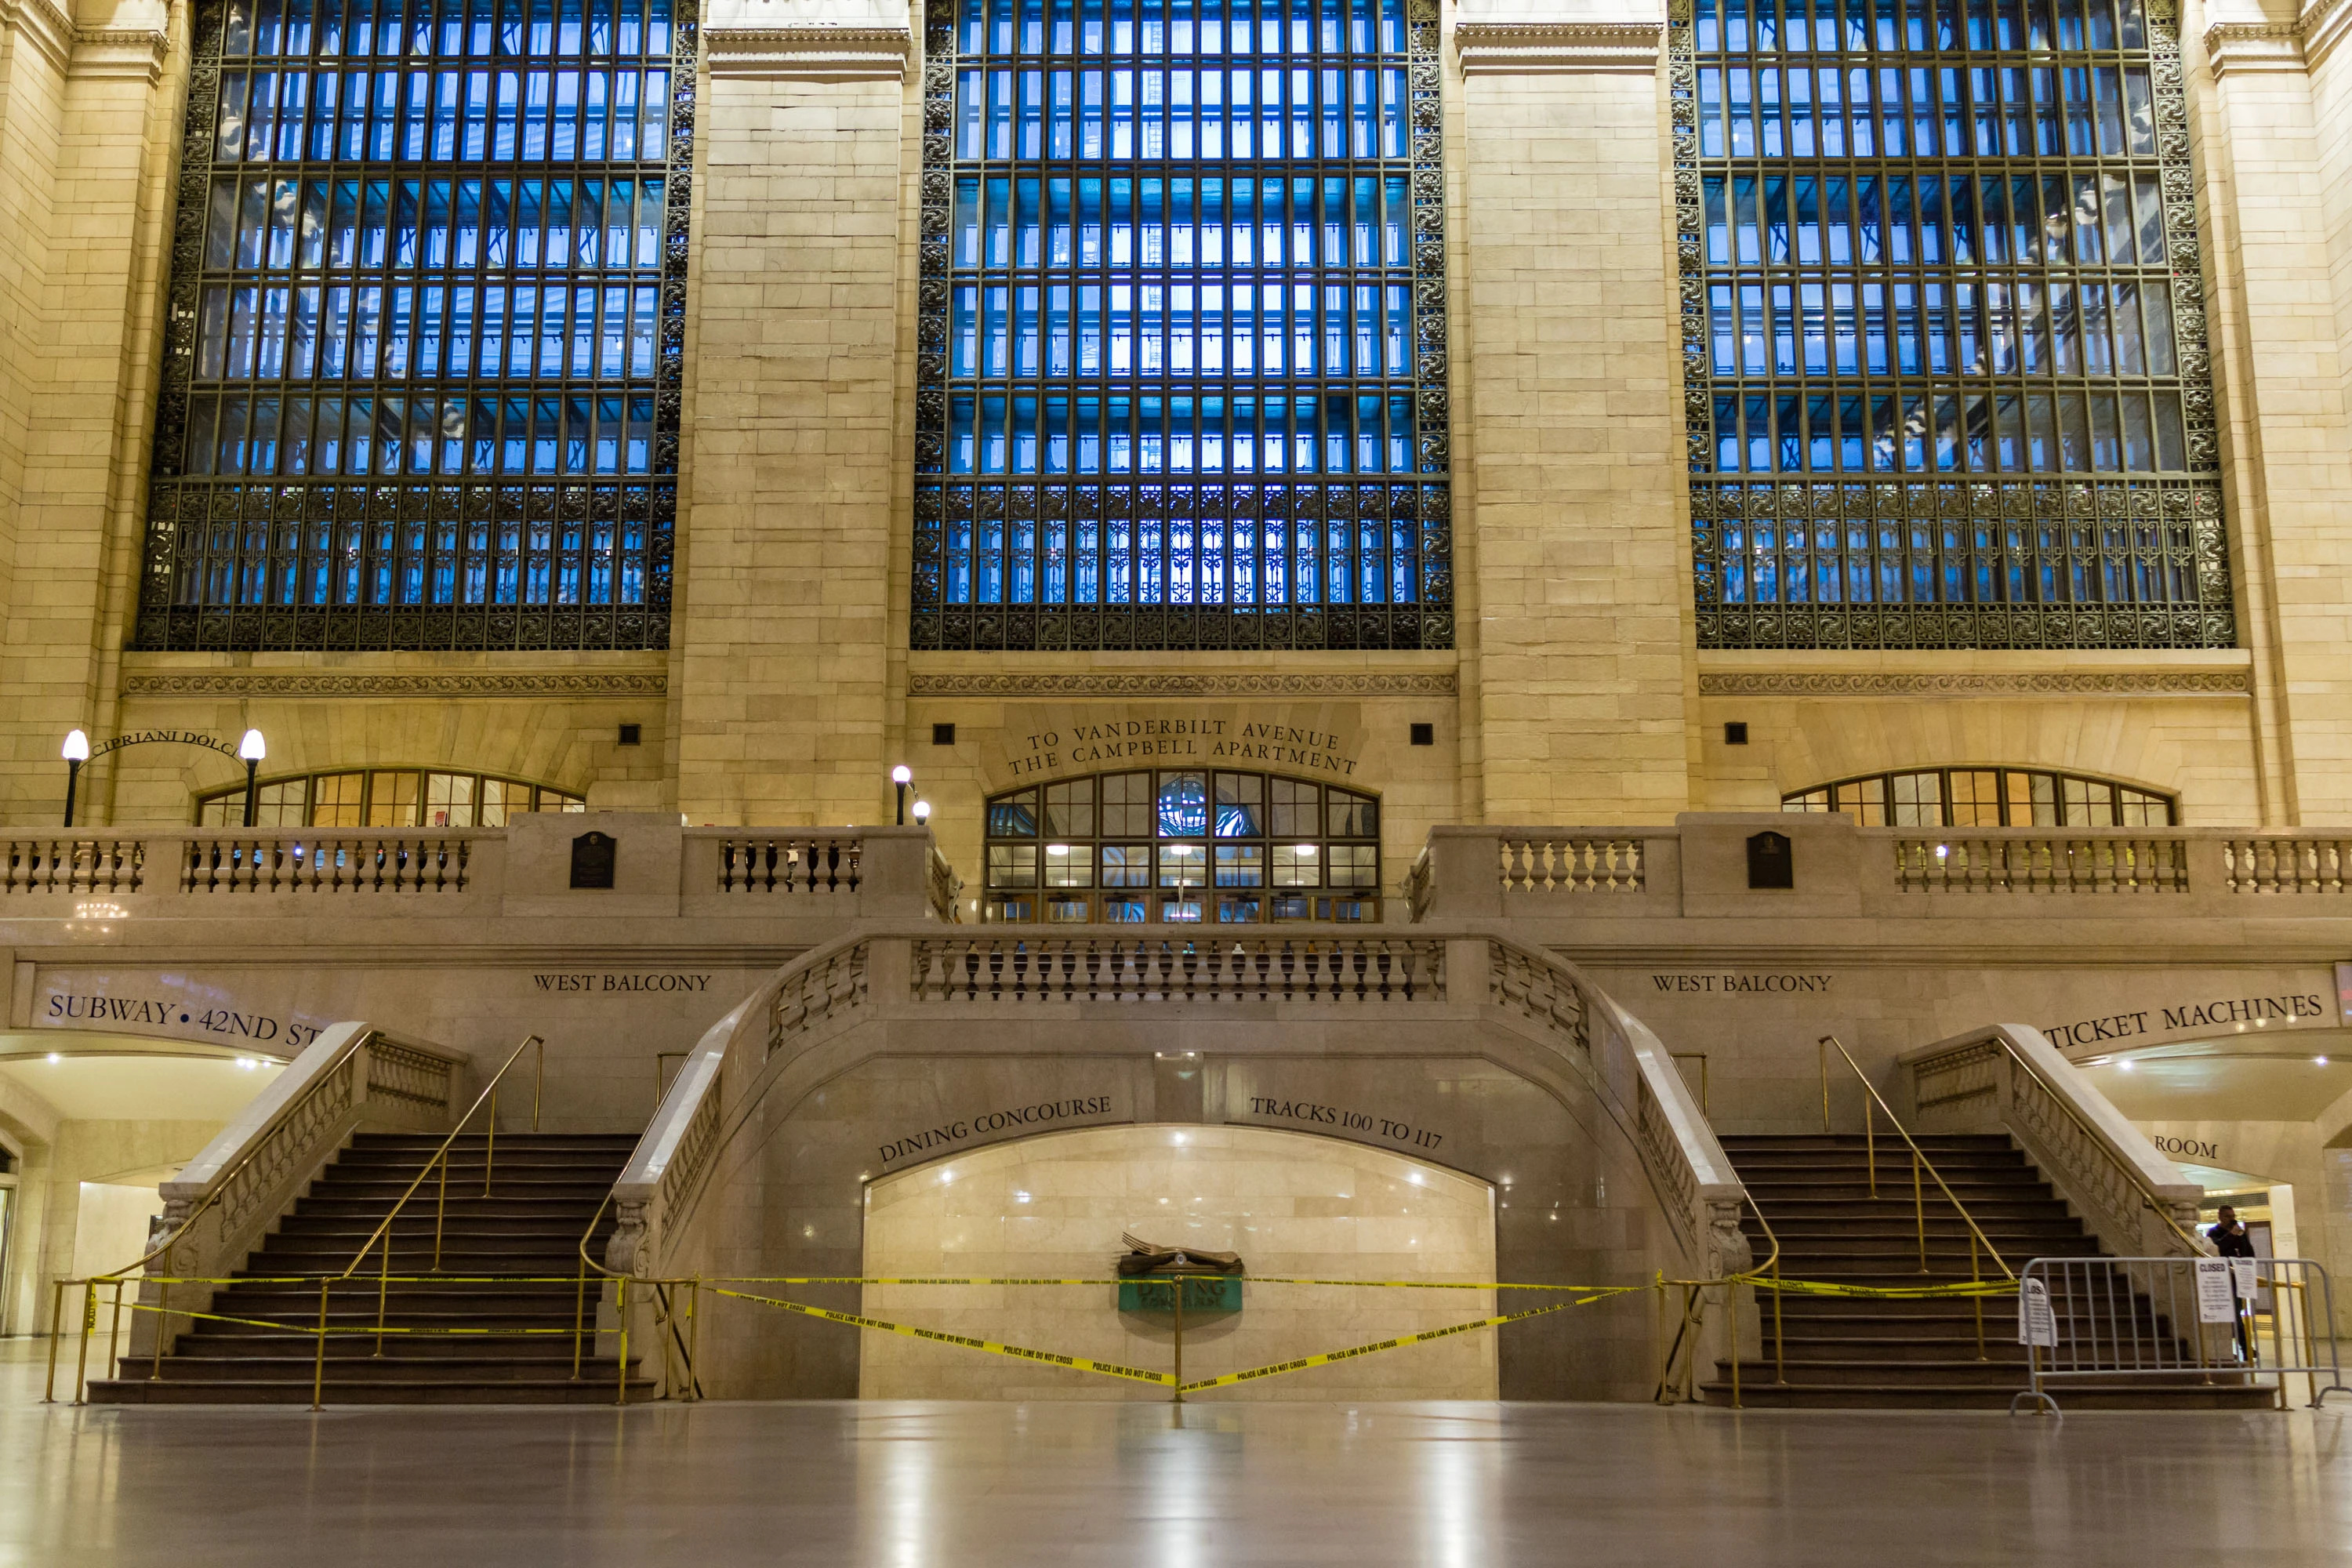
545,1188
1847,1353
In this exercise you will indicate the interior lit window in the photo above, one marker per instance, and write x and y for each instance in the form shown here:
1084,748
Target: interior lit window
1988,797
1225,848
385,798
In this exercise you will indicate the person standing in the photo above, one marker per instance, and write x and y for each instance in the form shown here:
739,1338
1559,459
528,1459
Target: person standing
2227,1235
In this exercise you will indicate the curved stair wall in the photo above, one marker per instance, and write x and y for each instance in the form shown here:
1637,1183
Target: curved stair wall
1604,1170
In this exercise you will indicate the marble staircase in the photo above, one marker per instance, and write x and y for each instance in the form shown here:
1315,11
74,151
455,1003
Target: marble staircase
1862,1353
516,1347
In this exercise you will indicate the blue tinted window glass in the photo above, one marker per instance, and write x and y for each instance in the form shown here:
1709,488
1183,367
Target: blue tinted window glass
438,255
1944,421
1177,323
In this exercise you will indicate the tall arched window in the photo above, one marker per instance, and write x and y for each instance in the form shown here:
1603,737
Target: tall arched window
1944,327
1183,847
1181,356
420,385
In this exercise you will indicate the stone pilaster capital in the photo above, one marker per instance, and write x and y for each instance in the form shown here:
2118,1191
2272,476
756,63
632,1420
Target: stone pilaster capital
2254,49
132,54
42,24
1528,46
809,52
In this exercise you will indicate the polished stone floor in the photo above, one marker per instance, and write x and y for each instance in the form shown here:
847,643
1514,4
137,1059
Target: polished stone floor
961,1486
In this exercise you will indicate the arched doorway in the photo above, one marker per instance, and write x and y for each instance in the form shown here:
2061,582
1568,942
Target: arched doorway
1291,1204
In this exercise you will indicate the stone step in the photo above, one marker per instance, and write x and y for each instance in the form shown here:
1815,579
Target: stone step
1966,1396
292,1390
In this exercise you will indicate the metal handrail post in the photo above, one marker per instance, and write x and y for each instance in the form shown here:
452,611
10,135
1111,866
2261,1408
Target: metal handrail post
1919,1211
57,1313
382,1290
1870,1149
163,1329
579,1317
440,1208
693,1339
1732,1307
1825,1084
621,1362
88,1322
114,1329
1976,1277
1178,1391
490,1141
538,1082
1942,1185
319,1365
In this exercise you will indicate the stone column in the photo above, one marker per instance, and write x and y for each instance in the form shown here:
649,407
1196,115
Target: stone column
2275,163
89,135
782,630
1581,632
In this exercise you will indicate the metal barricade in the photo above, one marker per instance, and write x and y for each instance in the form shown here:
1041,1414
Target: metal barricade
2147,1324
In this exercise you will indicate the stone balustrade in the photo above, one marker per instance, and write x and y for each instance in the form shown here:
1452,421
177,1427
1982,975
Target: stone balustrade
660,869
1698,868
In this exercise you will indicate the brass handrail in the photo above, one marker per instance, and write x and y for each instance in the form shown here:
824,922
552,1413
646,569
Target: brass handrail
1918,1160
119,1275
489,1095
2147,1192
665,1311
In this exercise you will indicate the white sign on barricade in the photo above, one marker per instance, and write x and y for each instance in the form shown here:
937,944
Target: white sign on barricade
2036,1325
2215,1301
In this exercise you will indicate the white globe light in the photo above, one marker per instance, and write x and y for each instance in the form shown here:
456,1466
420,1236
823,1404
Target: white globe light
77,746
252,749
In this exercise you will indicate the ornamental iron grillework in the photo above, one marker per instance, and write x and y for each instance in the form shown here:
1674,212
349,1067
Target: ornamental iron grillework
2050,491
430,526
1336,532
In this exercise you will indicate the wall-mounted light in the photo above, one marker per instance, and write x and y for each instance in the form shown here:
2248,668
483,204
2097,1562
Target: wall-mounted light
922,814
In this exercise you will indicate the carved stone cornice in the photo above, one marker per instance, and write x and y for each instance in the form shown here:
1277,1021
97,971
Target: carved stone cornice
1975,683
2258,48
122,54
1556,48
1434,683
813,51
2254,49
421,683
44,24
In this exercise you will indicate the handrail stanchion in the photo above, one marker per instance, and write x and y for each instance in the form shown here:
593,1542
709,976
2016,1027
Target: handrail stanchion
1179,1285
114,1331
490,1141
693,1339
383,1290
1825,1083
1919,1159
319,1365
88,1322
162,1331
1919,1211
538,1082
1870,1149
440,1210
1976,1277
621,1362
1731,1301
57,1316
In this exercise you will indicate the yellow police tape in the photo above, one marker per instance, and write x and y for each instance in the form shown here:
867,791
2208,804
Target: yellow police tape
1165,1380
1106,1368
1961,1289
